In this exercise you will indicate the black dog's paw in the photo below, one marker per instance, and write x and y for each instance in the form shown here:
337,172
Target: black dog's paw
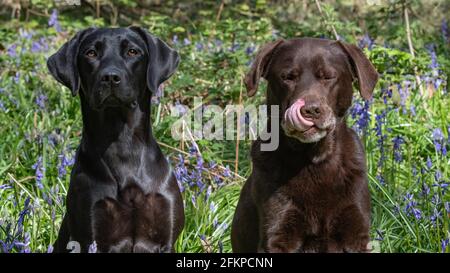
148,247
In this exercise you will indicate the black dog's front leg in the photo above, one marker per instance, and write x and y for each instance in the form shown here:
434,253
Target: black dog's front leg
61,242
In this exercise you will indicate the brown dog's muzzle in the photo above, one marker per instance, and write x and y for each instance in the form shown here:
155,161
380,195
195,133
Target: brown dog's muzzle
308,120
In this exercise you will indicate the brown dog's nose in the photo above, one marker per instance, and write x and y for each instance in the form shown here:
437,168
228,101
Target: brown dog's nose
311,111
111,77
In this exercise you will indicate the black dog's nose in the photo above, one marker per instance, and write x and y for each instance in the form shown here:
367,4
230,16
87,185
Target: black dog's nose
111,77
311,111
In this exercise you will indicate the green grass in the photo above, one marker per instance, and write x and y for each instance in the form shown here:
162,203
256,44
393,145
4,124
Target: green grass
29,131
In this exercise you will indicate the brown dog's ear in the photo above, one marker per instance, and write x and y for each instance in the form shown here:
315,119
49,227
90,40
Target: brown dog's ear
259,67
63,64
365,72
163,60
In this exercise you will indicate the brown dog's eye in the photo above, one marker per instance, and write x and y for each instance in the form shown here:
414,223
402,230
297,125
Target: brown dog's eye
323,75
288,76
132,52
91,53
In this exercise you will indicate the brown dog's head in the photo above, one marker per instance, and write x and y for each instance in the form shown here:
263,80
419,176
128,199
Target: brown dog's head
311,80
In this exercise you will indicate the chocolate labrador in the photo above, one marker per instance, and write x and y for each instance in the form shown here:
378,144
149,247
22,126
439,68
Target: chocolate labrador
311,194
122,194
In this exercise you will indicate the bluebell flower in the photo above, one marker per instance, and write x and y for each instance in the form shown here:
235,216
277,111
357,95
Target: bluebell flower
24,212
199,46
39,172
412,109
366,41
425,189
17,77
64,162
12,50
438,141
250,49
186,41
397,141
444,245
53,21
444,30
380,179
360,113
411,208
208,192
436,216
93,247
227,172
429,163
175,39
35,47
50,249
40,101
194,201
26,35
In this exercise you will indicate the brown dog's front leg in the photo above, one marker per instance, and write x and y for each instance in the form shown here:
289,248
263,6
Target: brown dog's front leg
281,229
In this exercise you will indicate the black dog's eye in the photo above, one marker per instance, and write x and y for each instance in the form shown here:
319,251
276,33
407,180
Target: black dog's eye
132,52
91,53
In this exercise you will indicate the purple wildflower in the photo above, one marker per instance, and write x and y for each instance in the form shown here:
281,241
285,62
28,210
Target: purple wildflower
93,247
444,29
50,249
12,50
444,245
250,49
40,170
17,77
35,47
175,39
436,216
65,162
360,113
366,41
429,163
411,208
398,140
40,101
212,207
22,214
381,179
186,41
439,141
199,46
53,21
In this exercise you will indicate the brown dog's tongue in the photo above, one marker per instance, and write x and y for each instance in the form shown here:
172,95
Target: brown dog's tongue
294,118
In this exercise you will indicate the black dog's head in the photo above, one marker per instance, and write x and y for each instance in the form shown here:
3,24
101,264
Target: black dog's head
113,66
311,80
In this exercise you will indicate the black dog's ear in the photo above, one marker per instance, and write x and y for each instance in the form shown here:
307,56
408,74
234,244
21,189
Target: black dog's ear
63,64
163,60
259,67
365,72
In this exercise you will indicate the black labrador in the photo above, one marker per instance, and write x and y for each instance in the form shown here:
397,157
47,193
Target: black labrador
122,194
311,194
